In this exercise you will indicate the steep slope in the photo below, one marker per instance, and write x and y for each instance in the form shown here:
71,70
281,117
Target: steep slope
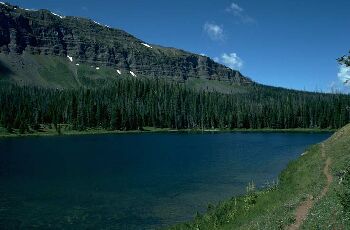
25,34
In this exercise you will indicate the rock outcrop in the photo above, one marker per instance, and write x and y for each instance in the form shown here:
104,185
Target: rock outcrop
42,32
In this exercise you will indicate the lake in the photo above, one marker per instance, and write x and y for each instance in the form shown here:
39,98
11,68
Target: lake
134,181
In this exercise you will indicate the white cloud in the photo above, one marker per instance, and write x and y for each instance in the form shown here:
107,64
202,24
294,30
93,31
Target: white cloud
231,60
214,31
337,87
240,13
344,74
235,8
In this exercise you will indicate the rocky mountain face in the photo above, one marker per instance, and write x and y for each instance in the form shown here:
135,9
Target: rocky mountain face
42,32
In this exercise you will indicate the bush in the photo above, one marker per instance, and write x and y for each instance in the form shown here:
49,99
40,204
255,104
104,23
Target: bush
344,191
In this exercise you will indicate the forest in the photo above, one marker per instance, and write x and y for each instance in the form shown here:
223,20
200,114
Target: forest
131,104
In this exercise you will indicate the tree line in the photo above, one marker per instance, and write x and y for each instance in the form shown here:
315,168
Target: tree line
131,104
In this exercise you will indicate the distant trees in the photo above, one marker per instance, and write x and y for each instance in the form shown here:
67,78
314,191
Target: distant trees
132,104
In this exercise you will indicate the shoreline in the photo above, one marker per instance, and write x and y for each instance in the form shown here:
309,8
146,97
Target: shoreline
100,131
306,178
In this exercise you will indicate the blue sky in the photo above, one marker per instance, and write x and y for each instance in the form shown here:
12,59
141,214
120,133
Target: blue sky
288,43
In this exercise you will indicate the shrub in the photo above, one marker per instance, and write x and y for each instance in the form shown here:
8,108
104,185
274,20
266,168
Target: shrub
344,191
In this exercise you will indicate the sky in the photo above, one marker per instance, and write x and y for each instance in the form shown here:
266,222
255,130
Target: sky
286,43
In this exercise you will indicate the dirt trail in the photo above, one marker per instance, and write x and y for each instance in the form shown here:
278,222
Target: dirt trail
303,209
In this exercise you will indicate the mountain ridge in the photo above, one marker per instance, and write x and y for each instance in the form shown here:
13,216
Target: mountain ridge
42,32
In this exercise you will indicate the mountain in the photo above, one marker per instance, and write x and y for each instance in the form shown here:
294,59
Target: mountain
43,48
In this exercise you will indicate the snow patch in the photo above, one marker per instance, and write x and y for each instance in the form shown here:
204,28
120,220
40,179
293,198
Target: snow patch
29,9
119,72
70,58
97,23
57,15
133,74
101,24
97,68
2,3
145,44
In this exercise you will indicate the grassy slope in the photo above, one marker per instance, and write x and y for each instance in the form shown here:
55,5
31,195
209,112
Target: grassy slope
53,71
328,213
274,207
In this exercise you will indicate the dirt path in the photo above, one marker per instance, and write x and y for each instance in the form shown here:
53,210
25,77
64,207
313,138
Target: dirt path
303,209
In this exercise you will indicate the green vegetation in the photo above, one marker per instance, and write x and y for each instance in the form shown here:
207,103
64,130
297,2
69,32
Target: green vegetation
53,72
65,129
344,190
219,85
60,129
132,104
274,206
332,212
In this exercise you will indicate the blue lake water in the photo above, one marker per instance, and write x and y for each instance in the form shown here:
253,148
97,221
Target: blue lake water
134,181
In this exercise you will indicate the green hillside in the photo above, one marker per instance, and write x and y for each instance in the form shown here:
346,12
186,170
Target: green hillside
54,72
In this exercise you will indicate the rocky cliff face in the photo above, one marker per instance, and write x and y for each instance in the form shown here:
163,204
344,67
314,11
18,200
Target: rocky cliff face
44,33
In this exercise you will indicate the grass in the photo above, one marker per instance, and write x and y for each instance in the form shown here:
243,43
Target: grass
274,207
54,72
329,213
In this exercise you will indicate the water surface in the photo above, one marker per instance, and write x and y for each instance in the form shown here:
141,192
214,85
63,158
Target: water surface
134,181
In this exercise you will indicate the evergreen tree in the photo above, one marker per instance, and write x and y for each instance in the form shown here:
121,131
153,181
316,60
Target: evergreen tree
132,104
